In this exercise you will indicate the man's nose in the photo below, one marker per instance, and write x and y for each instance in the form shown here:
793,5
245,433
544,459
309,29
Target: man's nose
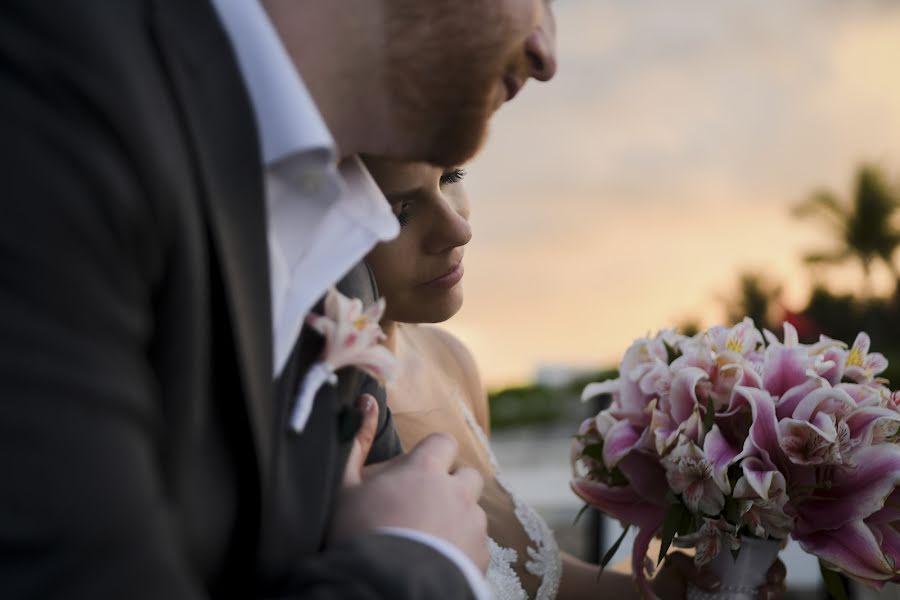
540,48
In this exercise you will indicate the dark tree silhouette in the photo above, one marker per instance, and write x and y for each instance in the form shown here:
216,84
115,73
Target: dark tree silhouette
863,226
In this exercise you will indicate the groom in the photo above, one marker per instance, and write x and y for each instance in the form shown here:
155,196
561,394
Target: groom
159,161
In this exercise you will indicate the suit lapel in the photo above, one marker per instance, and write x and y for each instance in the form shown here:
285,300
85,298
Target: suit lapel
218,117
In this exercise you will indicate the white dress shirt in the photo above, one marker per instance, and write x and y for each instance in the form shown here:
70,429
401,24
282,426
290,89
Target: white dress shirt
322,219
321,222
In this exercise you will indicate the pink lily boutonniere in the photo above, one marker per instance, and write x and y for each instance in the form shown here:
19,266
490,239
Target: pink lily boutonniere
353,337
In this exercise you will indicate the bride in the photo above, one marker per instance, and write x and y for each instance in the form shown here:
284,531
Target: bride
437,388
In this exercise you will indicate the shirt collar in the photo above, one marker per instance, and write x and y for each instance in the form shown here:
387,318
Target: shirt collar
287,119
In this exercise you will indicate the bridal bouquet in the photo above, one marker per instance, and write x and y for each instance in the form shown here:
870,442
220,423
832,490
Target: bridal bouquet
728,437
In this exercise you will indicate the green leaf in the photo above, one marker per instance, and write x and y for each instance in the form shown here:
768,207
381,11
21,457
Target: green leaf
833,583
709,417
671,353
613,549
670,528
594,451
686,525
732,510
583,510
617,478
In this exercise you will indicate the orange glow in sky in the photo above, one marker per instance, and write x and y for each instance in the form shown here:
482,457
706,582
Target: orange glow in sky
629,193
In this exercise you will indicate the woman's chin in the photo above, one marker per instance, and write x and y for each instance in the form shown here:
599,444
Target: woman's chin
436,311
439,316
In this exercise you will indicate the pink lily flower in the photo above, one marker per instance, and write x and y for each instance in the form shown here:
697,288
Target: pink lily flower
642,356
738,342
862,366
788,401
722,452
873,425
684,400
628,402
619,441
641,502
810,436
813,457
850,523
353,336
751,417
791,364
786,365
762,496
835,353
690,474
713,537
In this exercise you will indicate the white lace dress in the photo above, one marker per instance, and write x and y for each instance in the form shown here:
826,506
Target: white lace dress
525,561
543,554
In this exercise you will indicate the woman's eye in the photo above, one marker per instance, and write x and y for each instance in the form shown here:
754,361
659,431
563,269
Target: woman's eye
454,176
402,212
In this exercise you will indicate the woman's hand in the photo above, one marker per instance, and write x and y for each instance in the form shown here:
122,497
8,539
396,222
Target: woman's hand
679,569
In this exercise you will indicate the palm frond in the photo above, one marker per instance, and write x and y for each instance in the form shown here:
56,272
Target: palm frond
826,205
829,258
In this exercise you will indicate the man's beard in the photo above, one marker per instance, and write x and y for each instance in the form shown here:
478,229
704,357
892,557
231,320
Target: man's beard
441,80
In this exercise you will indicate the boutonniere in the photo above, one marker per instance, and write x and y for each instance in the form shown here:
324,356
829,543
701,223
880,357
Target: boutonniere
352,338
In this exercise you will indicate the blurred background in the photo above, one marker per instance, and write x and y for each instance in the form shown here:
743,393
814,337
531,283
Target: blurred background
691,163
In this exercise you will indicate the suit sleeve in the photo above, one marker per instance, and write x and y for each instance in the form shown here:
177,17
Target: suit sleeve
83,513
359,571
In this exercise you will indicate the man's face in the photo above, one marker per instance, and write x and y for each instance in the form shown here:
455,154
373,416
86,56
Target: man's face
452,63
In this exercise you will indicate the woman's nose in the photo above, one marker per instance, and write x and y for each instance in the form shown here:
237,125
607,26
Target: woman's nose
451,230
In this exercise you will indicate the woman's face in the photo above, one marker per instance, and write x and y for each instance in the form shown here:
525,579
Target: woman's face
420,272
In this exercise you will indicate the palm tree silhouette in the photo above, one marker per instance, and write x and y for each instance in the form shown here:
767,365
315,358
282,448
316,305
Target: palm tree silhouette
863,226
758,297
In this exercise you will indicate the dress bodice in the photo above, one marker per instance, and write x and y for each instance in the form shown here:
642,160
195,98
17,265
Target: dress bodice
525,560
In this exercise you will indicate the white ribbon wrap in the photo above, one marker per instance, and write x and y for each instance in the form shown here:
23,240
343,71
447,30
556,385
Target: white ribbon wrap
318,375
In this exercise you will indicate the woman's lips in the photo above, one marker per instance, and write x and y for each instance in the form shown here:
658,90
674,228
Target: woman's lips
448,279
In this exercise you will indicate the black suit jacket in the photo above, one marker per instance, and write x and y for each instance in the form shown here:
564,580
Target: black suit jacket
144,451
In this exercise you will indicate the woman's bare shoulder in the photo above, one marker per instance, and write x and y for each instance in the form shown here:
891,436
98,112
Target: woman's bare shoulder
457,361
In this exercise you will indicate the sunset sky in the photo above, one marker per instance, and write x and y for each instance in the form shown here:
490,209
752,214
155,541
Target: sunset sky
663,159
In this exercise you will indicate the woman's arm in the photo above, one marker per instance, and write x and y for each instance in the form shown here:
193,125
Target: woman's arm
582,581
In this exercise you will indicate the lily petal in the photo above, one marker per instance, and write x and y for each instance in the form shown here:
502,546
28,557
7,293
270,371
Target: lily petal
863,422
620,502
646,476
592,390
832,400
853,549
721,455
855,493
619,441
683,395
763,433
760,476
785,367
789,400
